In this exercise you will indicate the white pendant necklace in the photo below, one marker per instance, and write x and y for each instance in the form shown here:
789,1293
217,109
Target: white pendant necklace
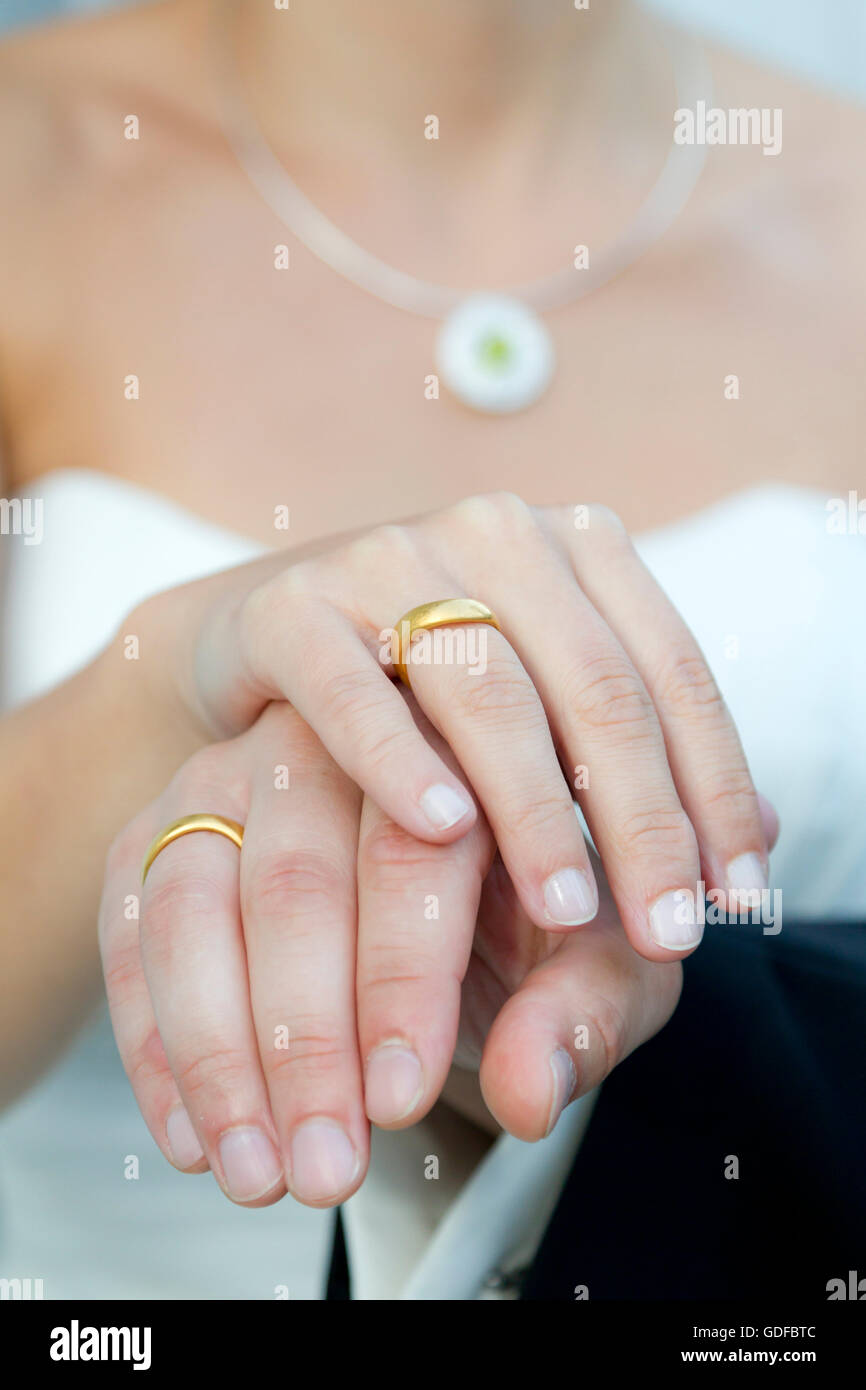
492,351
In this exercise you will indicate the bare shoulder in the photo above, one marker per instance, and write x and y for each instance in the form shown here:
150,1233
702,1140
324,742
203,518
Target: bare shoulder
67,165
810,183
786,230
67,88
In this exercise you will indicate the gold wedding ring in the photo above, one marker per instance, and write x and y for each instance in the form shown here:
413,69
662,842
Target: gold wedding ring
187,825
441,613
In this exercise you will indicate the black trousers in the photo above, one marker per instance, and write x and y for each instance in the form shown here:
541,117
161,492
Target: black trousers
725,1158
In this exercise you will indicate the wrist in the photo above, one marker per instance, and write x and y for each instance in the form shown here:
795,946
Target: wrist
140,672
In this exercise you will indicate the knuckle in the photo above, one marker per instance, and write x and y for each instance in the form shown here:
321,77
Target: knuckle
729,791
388,850
147,1064
687,687
605,519
205,767
280,730
539,817
382,548
121,967
256,617
504,693
606,694
353,698
214,1068
393,863
609,1024
381,747
173,901
295,881
211,776
274,608
651,831
316,1047
124,852
392,968
493,512
301,580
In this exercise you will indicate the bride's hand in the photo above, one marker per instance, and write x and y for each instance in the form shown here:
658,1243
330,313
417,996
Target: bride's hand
594,672
264,1006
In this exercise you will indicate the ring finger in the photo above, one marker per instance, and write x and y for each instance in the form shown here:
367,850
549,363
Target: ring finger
192,953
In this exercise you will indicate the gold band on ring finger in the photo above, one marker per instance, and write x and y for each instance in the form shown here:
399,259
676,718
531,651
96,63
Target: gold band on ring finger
440,613
188,825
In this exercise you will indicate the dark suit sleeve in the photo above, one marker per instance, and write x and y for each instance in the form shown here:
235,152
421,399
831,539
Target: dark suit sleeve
760,1071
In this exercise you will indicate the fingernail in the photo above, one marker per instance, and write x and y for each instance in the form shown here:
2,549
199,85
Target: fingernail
324,1162
564,1084
250,1163
393,1083
183,1143
673,921
443,806
570,898
745,874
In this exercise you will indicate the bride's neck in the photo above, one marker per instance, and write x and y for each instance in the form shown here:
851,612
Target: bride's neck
491,71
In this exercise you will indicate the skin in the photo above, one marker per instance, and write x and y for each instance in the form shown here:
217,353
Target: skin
207,985
670,799
177,213
175,209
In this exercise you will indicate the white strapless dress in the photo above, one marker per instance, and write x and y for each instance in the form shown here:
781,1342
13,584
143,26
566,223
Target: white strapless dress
778,603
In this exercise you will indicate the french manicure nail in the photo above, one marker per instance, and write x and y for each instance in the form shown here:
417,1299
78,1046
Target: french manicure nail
443,806
564,1084
393,1083
183,1143
324,1161
570,898
673,921
250,1163
747,874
